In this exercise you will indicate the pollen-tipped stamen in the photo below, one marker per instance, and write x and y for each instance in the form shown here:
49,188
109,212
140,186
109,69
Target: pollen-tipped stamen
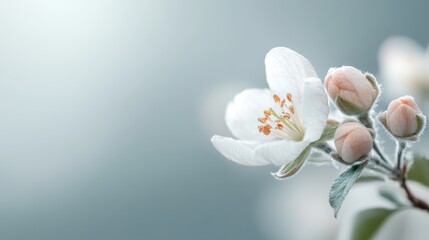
285,125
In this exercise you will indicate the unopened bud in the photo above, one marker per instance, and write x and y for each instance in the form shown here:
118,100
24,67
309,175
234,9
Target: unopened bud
352,91
352,141
403,118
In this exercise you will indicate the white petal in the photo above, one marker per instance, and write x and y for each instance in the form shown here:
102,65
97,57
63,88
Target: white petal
315,108
286,70
242,113
241,152
280,152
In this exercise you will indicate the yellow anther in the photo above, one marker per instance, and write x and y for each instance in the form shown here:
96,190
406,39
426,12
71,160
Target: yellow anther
262,120
267,113
265,129
276,98
286,116
289,97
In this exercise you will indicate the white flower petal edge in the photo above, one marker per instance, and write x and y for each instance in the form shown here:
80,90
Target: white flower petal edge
280,152
315,108
238,151
286,70
242,113
275,125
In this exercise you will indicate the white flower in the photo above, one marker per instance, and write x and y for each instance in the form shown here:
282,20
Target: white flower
404,65
275,125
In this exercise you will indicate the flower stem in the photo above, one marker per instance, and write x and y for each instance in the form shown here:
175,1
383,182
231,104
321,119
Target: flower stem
418,203
325,148
399,173
366,120
394,174
400,148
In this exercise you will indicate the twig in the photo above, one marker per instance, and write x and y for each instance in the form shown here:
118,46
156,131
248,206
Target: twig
418,203
366,120
401,146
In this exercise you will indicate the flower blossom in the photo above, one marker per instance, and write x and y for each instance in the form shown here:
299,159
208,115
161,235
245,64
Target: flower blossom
275,125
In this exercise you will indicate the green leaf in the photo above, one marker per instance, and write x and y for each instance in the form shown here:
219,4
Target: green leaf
419,171
366,179
329,131
291,168
343,184
367,223
392,196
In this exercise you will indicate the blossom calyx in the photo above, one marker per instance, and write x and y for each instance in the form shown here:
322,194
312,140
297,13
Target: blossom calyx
352,91
352,141
403,118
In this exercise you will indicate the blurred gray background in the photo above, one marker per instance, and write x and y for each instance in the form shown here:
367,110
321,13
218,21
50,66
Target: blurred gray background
107,109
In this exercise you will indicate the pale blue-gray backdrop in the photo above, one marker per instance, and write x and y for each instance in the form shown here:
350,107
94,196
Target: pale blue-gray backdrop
107,107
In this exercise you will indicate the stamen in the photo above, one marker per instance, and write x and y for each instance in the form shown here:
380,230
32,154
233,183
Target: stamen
286,125
265,129
267,113
286,116
262,120
276,98
289,97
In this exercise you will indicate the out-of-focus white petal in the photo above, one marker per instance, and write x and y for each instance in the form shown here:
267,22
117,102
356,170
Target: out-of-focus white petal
239,151
314,108
286,70
401,60
242,113
280,152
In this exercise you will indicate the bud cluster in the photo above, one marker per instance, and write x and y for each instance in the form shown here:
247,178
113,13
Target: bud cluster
355,93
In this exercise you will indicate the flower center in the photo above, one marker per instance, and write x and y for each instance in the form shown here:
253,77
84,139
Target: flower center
287,124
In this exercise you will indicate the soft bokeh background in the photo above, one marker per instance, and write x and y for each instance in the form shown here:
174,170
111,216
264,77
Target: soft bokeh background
107,108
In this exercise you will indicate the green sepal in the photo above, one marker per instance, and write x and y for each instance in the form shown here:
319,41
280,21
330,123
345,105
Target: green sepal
371,79
348,108
293,167
329,131
421,123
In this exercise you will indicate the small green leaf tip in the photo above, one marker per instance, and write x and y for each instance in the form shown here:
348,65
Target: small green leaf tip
342,185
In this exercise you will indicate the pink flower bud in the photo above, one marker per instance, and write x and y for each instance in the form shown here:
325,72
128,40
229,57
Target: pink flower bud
352,141
352,91
403,118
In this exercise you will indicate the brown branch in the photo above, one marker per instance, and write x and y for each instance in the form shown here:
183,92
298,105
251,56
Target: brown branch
418,203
